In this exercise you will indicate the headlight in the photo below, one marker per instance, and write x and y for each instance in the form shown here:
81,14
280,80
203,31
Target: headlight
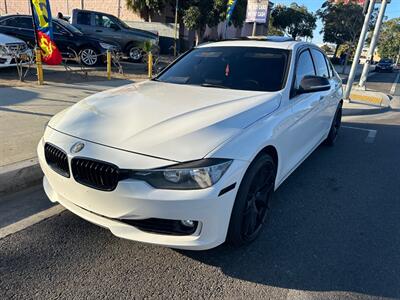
107,46
199,174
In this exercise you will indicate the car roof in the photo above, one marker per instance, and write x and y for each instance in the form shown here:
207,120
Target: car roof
92,11
277,42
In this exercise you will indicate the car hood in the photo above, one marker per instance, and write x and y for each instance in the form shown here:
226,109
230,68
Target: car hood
170,121
6,39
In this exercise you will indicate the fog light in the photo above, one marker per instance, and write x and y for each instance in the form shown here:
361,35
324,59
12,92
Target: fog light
187,223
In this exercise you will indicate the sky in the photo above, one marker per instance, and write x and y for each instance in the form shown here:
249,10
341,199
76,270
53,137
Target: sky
392,11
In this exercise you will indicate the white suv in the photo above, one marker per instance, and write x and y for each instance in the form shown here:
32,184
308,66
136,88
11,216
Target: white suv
191,158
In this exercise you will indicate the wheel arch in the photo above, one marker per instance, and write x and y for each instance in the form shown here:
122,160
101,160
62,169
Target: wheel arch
271,151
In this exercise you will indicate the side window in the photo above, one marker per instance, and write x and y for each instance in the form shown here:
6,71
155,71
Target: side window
26,23
11,22
59,29
330,66
103,21
83,18
320,63
304,67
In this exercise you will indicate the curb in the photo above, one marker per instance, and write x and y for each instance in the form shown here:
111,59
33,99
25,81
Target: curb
371,98
19,175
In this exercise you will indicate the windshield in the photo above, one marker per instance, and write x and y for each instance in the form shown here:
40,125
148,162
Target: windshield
71,28
241,68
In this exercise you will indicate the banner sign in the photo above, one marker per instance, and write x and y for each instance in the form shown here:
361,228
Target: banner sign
230,9
257,11
42,20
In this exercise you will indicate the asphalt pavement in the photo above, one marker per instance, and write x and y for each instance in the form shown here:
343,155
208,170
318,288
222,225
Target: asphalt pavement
334,233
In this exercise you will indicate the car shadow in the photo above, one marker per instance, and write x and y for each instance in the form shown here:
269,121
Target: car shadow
334,223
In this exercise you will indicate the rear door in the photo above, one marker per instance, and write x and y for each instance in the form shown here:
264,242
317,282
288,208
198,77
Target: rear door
327,98
84,22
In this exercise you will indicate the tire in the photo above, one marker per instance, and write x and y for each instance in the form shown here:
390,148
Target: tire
135,54
89,56
251,207
335,127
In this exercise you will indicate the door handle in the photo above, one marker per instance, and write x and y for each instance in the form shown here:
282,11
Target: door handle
321,98
99,30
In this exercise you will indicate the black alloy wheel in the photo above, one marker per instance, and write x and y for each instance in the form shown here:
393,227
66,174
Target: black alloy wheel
251,207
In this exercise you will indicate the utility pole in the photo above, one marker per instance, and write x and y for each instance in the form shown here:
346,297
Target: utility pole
357,55
5,6
82,4
176,28
253,33
372,46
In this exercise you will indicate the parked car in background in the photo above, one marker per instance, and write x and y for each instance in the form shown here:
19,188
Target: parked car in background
109,28
191,158
12,48
68,38
385,65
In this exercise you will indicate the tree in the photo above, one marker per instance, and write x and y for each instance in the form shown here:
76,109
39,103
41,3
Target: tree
342,22
294,20
146,8
197,14
389,41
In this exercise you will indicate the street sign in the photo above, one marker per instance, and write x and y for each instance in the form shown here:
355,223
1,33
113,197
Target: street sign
257,11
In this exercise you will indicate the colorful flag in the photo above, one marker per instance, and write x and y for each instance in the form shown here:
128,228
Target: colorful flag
230,9
41,14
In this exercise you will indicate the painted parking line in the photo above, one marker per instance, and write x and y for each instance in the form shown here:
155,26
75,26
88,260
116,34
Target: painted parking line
393,90
29,221
371,133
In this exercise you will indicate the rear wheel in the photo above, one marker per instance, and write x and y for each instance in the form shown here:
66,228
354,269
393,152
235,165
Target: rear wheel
135,54
333,132
251,207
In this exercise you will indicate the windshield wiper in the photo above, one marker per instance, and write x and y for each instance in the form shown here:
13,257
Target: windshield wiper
214,85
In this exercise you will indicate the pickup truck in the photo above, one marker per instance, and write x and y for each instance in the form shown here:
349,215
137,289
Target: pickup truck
109,28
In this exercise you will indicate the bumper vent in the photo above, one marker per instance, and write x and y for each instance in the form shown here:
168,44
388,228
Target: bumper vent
95,174
162,226
56,159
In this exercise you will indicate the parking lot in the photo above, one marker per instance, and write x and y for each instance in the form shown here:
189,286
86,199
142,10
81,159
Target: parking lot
333,233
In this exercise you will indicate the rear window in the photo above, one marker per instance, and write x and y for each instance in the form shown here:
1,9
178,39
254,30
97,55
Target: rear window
241,68
83,18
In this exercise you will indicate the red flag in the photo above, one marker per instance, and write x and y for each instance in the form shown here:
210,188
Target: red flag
42,20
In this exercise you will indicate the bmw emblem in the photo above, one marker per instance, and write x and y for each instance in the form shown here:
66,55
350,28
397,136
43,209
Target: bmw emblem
77,147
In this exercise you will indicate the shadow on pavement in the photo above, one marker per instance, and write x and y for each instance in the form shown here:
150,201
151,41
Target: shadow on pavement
334,223
334,226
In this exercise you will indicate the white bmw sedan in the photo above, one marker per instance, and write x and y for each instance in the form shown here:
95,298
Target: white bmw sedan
191,158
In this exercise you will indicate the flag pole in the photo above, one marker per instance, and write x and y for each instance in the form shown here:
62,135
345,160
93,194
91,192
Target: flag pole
38,53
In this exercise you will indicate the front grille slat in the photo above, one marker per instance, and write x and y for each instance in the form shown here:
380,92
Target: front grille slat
57,159
96,174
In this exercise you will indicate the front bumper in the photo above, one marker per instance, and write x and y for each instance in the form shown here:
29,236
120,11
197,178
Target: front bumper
133,199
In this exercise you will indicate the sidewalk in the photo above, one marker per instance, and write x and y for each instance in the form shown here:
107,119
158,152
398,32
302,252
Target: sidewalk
24,111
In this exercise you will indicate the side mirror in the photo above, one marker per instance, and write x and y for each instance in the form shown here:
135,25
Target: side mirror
312,84
115,27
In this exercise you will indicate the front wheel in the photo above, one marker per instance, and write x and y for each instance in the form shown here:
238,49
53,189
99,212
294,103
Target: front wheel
251,206
88,57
